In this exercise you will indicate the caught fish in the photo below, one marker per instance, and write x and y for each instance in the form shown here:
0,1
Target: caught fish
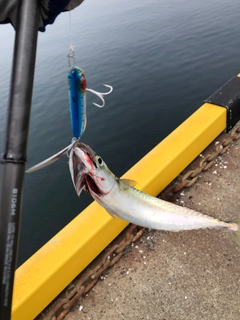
119,197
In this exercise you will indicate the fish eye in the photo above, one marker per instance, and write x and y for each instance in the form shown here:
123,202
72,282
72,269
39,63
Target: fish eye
99,160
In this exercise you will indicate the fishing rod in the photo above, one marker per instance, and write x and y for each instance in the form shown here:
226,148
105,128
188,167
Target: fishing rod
13,158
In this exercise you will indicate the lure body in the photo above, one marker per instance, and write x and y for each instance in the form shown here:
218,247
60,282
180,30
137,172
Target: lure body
77,87
77,100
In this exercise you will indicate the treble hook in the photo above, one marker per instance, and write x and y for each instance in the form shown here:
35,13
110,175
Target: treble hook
100,95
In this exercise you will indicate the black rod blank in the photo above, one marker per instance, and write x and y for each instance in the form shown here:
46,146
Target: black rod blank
13,159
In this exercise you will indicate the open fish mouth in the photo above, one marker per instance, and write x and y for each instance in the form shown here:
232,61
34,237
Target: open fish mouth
80,174
91,186
87,184
77,170
87,150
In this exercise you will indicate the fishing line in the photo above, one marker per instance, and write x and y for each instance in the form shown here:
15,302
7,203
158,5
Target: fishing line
71,54
70,29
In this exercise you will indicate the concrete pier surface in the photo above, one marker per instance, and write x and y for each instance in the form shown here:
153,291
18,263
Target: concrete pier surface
185,275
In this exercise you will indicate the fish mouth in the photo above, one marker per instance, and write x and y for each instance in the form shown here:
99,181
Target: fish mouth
90,186
87,184
81,176
77,169
87,150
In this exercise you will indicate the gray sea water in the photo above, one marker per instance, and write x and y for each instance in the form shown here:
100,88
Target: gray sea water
163,58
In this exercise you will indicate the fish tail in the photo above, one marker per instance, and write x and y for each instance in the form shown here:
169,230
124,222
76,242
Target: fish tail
236,233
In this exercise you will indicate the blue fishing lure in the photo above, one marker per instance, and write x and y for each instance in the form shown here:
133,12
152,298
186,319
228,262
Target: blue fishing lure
77,101
77,87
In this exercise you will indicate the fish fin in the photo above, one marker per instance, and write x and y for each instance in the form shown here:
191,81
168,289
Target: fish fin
236,234
130,182
112,213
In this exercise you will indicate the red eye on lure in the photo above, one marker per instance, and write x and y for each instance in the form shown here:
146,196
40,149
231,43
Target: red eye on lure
77,87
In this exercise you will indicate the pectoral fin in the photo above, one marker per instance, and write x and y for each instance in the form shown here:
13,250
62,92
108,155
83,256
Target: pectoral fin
112,213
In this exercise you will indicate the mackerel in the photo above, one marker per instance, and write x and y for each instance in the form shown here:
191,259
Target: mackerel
118,196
